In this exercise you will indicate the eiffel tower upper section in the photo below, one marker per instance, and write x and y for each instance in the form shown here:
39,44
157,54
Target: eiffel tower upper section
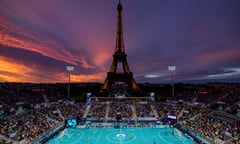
119,41
119,55
119,71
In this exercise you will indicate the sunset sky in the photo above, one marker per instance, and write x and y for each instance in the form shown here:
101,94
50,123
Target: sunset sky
39,38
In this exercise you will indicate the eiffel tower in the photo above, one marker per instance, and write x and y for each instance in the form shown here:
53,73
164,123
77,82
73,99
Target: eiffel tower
119,71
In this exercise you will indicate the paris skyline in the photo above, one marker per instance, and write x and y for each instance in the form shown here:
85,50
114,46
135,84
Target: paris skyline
38,39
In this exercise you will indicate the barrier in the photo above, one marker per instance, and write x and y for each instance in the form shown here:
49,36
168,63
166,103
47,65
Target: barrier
48,135
192,134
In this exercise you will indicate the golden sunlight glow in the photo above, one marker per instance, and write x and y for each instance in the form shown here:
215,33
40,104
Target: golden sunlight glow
88,77
12,71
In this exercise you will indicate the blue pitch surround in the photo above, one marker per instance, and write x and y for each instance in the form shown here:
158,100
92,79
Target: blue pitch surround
121,136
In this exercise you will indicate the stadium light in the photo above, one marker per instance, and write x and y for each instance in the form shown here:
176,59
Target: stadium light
69,69
172,68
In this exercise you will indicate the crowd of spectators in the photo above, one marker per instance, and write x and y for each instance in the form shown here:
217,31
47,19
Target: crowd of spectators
165,109
231,100
97,110
143,109
225,98
122,108
118,89
27,125
33,123
40,117
211,126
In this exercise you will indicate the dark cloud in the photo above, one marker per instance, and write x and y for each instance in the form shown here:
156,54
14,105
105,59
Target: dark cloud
202,38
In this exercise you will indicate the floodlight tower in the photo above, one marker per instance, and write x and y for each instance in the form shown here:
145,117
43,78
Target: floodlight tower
172,68
69,69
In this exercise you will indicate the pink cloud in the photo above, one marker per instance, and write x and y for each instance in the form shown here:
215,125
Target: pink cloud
21,37
216,57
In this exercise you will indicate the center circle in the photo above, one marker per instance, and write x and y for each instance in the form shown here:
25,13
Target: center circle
123,137
120,136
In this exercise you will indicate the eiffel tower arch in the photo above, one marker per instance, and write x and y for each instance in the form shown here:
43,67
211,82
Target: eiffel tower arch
119,72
